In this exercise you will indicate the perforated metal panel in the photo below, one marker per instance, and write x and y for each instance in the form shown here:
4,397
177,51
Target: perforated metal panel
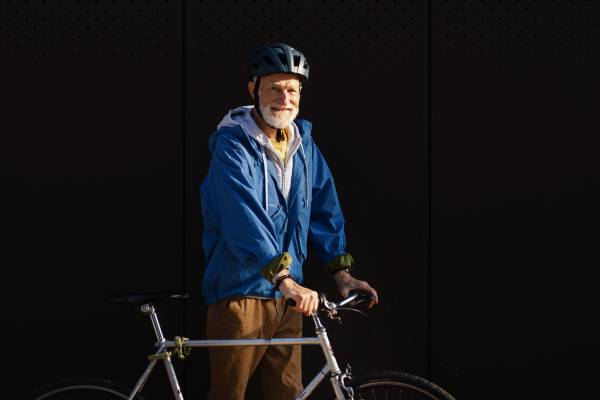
514,171
89,42
91,160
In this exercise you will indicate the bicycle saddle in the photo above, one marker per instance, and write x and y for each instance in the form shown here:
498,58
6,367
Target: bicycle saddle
137,300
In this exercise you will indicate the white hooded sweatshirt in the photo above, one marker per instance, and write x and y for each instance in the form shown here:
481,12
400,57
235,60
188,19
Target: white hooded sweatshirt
242,116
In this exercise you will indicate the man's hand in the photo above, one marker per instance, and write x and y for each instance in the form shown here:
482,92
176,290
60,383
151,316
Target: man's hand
306,300
346,283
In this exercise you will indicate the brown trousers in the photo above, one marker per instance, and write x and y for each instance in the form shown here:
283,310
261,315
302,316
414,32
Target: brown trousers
231,367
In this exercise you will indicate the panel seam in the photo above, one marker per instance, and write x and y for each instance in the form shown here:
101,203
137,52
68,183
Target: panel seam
429,194
183,179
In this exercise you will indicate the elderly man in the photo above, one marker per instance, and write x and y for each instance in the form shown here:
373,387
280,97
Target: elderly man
268,192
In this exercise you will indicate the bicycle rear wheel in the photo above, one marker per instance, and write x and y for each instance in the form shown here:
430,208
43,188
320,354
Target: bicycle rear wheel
394,385
82,388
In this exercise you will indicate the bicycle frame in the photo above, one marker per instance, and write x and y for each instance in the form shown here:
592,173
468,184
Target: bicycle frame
331,368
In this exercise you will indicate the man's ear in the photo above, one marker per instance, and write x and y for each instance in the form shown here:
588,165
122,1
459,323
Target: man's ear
251,88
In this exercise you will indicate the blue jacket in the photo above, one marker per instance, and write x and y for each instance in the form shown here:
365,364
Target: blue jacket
242,236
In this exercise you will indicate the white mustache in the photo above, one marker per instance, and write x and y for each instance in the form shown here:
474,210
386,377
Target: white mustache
279,119
273,105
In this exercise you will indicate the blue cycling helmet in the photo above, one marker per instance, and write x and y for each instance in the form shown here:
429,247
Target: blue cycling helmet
278,58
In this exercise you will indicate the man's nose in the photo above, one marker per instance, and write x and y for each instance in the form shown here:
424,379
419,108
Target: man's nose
284,98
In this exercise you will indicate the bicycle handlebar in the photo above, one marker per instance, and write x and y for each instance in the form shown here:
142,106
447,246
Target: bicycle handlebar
324,304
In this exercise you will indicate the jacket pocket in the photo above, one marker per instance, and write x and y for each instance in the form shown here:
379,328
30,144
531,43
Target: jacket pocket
274,210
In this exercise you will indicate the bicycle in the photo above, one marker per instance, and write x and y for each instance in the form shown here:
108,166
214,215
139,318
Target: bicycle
345,386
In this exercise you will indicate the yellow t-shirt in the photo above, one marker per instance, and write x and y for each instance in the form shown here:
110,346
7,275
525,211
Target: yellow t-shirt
281,147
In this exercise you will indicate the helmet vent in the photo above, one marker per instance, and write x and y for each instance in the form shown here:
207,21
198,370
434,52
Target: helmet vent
267,60
278,58
282,58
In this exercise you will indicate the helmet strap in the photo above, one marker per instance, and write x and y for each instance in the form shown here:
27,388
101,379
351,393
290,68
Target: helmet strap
256,100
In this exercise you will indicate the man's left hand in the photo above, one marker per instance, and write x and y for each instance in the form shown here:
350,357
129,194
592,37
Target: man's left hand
346,283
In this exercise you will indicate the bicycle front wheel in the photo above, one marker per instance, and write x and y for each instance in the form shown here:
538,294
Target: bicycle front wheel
394,385
82,388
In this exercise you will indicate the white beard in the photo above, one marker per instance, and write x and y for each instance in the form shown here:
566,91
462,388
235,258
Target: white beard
278,119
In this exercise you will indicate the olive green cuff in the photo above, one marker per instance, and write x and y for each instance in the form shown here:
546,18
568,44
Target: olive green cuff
277,264
340,262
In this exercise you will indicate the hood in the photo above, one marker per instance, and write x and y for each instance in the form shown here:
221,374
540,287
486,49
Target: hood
239,116
242,116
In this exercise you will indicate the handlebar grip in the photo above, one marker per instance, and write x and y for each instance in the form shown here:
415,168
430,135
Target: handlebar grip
353,296
357,295
361,295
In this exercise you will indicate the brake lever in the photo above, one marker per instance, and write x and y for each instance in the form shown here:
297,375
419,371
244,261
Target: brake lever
330,308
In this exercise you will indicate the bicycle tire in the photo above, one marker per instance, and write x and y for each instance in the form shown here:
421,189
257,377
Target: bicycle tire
393,385
82,388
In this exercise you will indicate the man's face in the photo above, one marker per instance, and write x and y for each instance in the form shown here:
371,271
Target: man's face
279,96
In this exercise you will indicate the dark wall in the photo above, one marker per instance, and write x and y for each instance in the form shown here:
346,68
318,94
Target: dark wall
91,185
461,135
514,193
